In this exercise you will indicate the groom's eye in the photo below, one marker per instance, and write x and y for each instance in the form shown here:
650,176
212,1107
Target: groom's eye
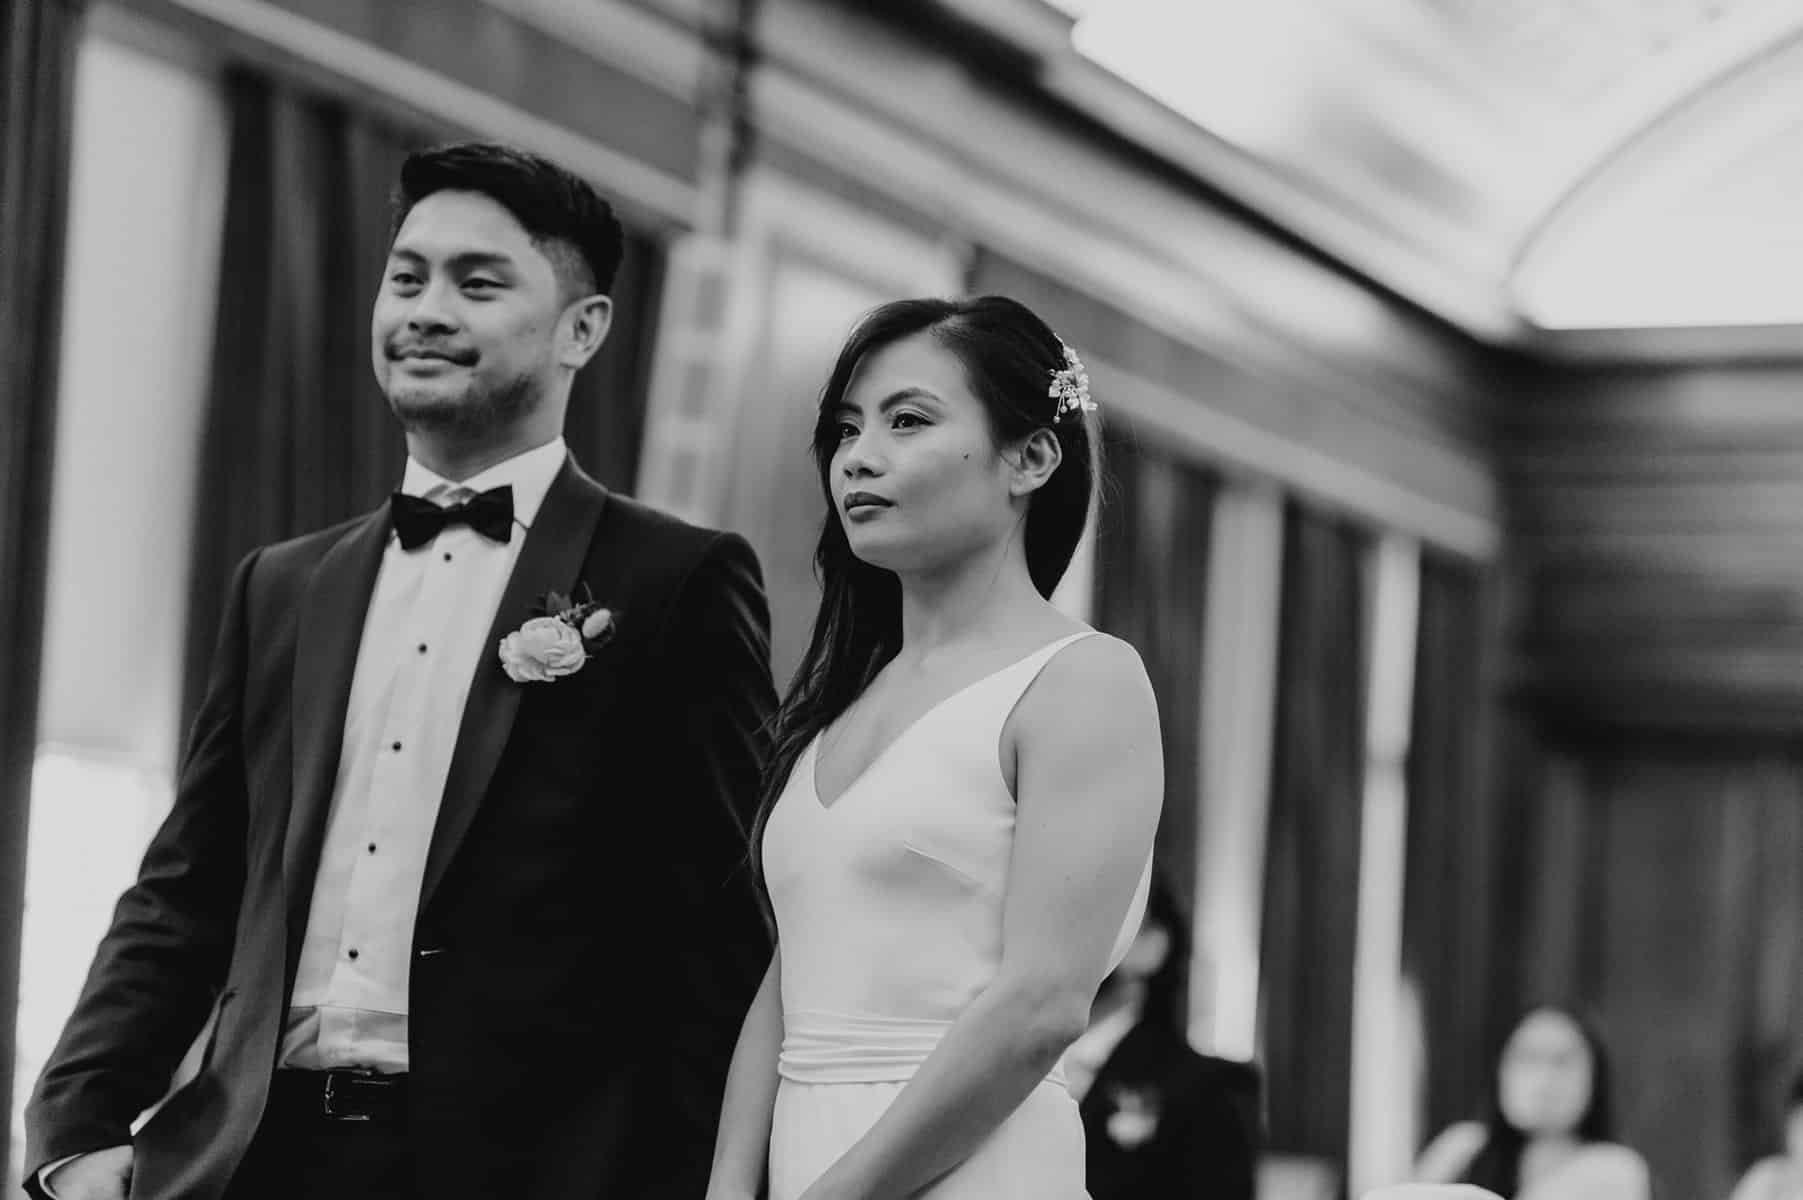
404,279
481,284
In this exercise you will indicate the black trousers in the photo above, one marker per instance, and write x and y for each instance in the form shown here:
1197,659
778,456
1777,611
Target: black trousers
301,1154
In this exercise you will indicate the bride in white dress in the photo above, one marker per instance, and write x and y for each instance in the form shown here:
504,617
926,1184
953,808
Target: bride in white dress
957,829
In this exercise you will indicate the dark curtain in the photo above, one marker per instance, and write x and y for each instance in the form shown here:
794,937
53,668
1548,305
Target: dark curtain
299,436
1312,852
1152,545
1450,876
36,100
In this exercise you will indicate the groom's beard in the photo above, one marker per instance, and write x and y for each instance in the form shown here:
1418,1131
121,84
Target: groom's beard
478,410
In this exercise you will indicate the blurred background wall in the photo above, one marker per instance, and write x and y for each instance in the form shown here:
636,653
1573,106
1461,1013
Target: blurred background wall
1479,641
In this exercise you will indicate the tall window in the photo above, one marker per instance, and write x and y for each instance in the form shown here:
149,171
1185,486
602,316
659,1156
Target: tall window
147,185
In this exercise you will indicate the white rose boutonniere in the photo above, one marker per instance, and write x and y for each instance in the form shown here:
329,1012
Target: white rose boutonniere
559,641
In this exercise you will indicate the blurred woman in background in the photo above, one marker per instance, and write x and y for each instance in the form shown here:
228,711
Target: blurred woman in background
1160,1119
1550,1131
1780,1177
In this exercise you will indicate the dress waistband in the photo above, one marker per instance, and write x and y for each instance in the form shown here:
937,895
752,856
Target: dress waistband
829,1047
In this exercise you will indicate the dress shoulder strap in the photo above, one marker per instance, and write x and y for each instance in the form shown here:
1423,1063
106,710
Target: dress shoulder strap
1011,682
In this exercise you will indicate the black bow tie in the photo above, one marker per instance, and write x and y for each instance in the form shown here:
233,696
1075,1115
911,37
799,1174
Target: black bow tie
417,521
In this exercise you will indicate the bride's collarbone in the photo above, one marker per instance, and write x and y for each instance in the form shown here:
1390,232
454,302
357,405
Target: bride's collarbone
899,698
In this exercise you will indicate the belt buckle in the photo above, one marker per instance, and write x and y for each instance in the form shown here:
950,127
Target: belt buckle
331,1092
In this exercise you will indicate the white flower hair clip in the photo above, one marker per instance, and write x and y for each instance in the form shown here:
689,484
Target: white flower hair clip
1070,388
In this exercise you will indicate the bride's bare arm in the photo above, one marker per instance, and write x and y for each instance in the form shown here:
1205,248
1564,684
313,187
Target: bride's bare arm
1089,784
742,1146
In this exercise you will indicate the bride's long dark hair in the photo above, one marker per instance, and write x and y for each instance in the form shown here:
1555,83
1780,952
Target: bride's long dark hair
1009,357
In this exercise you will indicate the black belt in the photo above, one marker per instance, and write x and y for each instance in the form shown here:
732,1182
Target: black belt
342,1094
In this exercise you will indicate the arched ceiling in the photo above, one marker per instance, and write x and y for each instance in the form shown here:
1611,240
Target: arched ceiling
1537,172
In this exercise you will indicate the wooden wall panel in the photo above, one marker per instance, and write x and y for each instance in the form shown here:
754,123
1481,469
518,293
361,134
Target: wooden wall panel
469,66
1655,567
1389,462
1656,547
1249,328
507,58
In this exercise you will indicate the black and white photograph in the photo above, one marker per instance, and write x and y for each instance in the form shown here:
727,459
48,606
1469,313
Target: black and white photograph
901,599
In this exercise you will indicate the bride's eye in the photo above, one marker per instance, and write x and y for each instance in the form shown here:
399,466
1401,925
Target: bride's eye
906,420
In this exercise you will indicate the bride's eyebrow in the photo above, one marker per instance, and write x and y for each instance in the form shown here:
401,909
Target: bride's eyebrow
903,395
899,396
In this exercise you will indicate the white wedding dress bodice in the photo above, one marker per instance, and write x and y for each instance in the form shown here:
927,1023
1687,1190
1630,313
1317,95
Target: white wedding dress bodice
888,907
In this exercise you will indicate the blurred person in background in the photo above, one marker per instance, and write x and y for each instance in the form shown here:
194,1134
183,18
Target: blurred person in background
1780,1176
957,830
1550,1131
456,859
1161,1120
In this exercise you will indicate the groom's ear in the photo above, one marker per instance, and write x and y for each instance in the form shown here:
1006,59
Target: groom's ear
582,329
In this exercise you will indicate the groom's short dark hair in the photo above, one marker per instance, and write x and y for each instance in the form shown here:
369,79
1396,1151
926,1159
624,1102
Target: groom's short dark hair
565,216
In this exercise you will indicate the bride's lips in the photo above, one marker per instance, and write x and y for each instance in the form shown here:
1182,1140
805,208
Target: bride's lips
864,504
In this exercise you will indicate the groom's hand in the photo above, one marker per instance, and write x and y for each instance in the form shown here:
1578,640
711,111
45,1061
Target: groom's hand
102,1175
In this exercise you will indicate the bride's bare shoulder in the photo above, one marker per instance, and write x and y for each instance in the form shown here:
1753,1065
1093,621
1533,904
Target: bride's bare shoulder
1092,691
1098,658
1095,672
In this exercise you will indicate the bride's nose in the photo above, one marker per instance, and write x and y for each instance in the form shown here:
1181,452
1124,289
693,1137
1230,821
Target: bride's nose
862,458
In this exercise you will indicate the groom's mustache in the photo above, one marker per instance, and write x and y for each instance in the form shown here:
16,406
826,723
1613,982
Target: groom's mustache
396,350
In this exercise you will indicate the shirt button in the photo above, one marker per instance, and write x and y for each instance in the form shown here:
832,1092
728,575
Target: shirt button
447,556
353,953
372,847
422,647
395,746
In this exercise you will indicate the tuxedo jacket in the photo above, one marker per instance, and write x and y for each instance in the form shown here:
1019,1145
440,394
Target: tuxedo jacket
1163,1122
588,936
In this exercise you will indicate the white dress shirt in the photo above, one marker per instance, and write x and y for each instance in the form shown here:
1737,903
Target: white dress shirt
423,638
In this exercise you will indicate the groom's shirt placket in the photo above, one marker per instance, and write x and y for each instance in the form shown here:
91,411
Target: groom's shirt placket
426,628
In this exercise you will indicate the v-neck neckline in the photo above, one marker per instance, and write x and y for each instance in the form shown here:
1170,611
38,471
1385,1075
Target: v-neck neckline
813,757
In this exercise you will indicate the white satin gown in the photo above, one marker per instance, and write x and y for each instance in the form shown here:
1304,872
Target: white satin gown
889,914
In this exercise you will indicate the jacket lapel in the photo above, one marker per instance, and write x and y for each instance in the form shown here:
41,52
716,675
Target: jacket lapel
332,611
551,560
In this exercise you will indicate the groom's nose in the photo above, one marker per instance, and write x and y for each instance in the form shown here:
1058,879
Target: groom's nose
432,310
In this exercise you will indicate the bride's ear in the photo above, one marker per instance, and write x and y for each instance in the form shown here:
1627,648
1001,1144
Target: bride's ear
1033,460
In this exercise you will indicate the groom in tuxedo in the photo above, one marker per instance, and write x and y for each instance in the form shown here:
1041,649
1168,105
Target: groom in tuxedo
455,874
